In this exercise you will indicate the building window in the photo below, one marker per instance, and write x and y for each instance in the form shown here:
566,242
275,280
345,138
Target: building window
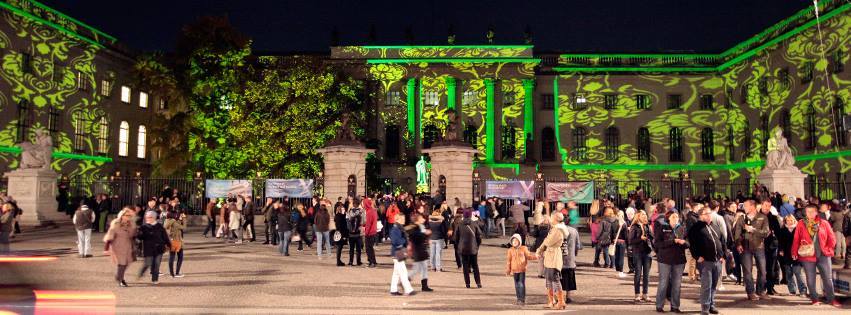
810,117
706,102
469,98
82,83
431,98
765,134
747,143
391,142
141,142
745,92
26,63
470,134
642,101
731,144
143,100
123,138
580,148
509,137
163,104
674,101
105,87
786,123
79,131
508,98
783,78
125,94
58,73
547,102
24,122
707,144
762,86
53,120
675,144
548,144
839,121
643,142
579,101
430,133
611,101
838,64
393,98
103,136
807,72
612,143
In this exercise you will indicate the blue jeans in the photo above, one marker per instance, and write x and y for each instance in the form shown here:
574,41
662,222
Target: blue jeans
152,262
670,276
604,250
435,248
323,237
642,272
710,271
747,271
520,286
793,277
284,244
620,252
822,263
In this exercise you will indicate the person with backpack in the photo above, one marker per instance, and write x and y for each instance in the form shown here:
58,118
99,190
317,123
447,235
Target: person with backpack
605,235
83,220
355,219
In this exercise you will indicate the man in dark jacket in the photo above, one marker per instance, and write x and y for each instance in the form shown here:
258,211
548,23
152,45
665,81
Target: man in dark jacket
248,217
468,236
285,229
750,241
705,244
355,219
268,214
155,241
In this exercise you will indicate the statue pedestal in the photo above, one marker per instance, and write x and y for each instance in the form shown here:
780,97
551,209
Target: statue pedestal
455,163
341,162
35,192
784,181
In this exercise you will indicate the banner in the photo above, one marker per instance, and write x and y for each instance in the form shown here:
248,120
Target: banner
293,188
580,192
218,188
510,189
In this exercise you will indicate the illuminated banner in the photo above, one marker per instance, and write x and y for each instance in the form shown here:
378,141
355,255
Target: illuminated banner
217,188
293,188
581,192
510,189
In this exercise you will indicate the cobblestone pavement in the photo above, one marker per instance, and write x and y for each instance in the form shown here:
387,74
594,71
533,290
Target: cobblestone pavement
252,278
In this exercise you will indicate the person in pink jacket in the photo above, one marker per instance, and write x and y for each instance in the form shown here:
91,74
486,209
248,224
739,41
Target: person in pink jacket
370,231
813,245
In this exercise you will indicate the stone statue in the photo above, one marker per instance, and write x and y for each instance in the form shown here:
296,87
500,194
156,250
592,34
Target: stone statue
38,155
779,155
345,134
452,127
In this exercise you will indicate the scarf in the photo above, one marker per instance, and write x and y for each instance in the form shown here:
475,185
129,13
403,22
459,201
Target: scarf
812,226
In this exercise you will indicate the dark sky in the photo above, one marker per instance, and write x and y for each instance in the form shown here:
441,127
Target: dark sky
557,25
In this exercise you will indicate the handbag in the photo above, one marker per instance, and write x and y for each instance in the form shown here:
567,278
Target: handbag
295,237
806,250
401,254
337,236
612,247
175,246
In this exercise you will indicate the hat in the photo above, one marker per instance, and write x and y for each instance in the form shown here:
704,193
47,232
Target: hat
515,236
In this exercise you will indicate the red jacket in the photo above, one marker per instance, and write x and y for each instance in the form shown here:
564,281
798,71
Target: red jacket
826,240
370,226
392,211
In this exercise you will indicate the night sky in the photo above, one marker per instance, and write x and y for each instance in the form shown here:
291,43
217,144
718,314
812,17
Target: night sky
557,25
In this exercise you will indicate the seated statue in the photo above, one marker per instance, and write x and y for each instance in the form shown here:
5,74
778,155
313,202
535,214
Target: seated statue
39,154
779,154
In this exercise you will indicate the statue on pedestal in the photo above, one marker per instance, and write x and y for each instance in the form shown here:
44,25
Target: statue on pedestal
451,128
345,135
38,155
779,155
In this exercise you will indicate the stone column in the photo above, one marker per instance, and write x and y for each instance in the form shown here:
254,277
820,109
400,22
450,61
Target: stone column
341,161
455,162
35,192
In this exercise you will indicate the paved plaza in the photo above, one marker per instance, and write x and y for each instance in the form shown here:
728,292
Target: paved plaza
253,278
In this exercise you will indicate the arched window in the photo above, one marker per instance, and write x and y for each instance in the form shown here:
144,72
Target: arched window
79,131
707,144
103,136
391,142
24,120
746,144
612,143
509,137
470,134
580,148
731,144
839,122
548,144
643,143
430,133
786,123
141,143
810,117
675,144
123,138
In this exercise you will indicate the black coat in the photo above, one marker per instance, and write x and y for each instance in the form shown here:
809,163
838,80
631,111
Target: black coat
540,235
340,223
667,251
154,239
285,220
639,246
784,242
419,243
468,236
704,243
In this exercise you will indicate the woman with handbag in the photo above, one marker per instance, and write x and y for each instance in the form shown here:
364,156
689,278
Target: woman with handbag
639,239
671,245
399,252
605,236
618,249
813,246
119,241
341,233
174,226
792,268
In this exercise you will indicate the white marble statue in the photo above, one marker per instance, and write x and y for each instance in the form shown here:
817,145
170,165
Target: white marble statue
38,155
779,155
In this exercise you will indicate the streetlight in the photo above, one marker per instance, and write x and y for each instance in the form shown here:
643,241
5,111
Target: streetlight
198,175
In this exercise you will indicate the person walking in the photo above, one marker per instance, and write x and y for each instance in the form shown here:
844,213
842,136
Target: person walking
154,243
399,252
300,221
370,231
640,239
569,250
83,220
210,210
837,224
813,245
750,244
341,234
620,238
606,234
671,245
235,223
705,243
437,239
118,242
321,222
468,236
174,225
791,267
553,260
457,219
515,266
270,219
418,240
248,218
284,228
355,223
